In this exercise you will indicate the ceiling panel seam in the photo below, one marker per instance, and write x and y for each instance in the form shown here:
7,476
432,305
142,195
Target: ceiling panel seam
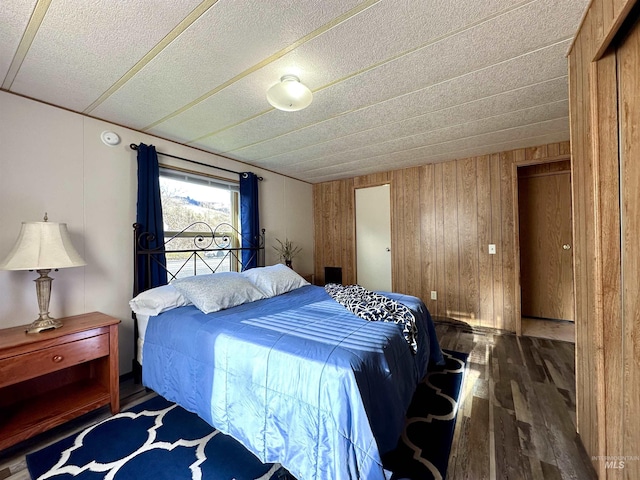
37,16
317,32
195,14
451,155
442,82
457,140
230,126
396,138
493,147
339,166
414,117
430,43
371,67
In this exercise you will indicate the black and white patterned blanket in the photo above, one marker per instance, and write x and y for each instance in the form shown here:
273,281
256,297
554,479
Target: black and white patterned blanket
375,307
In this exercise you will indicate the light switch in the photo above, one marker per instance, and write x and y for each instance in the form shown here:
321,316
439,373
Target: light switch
434,295
492,249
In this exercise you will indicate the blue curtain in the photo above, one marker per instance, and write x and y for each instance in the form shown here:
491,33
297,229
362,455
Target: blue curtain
149,216
249,219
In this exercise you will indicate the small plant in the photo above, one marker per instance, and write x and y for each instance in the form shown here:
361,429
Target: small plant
286,250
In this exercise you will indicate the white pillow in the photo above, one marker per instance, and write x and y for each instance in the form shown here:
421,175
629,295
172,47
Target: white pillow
275,280
157,300
218,291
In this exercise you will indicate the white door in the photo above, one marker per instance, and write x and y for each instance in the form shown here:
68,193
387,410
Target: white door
373,237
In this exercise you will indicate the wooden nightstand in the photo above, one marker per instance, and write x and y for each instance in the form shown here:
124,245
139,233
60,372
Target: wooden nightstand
51,377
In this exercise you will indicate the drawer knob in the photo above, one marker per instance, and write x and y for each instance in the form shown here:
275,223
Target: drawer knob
57,358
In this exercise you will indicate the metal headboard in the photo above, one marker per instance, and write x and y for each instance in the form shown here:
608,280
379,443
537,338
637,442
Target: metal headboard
212,248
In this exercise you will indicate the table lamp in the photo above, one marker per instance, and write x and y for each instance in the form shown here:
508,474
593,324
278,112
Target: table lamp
43,246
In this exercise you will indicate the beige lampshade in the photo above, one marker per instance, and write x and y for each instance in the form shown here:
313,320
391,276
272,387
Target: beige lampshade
40,246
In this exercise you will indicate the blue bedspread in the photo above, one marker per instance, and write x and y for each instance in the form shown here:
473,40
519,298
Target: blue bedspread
296,378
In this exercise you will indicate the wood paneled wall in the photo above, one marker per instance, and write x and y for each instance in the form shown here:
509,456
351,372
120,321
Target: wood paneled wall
607,343
443,218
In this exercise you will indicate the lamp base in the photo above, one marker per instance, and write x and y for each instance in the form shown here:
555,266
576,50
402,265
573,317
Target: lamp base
43,289
43,324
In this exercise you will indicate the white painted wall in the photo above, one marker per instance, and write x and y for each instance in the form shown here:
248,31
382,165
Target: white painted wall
53,160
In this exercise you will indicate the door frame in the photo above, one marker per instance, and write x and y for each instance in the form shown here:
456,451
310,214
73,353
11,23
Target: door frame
354,242
516,230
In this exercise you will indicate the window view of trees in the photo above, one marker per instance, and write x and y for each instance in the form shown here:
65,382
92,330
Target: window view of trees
184,203
186,200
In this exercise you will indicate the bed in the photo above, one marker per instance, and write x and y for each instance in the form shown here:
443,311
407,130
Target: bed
293,376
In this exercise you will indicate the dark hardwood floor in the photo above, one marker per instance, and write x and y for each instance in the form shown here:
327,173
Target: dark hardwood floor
517,415
516,419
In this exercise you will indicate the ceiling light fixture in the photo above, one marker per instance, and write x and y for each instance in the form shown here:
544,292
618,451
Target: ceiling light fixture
289,95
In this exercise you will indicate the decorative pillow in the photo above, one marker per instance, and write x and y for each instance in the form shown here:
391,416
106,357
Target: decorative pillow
218,291
275,280
157,300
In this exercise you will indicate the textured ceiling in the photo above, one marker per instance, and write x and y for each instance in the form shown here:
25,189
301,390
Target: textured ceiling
396,83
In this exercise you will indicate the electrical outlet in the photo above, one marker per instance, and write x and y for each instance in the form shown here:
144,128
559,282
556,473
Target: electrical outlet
492,249
434,295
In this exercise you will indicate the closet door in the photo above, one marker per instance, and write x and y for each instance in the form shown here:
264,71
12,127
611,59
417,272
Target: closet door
373,237
546,261
628,60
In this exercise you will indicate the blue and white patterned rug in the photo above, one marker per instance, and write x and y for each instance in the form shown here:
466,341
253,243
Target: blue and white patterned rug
159,440
423,450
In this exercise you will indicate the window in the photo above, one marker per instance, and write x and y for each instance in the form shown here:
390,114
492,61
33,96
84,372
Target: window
189,198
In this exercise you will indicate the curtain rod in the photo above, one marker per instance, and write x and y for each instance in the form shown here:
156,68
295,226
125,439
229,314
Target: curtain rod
133,146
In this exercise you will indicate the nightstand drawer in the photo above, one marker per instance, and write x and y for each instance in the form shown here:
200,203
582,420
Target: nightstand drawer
51,377
40,362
